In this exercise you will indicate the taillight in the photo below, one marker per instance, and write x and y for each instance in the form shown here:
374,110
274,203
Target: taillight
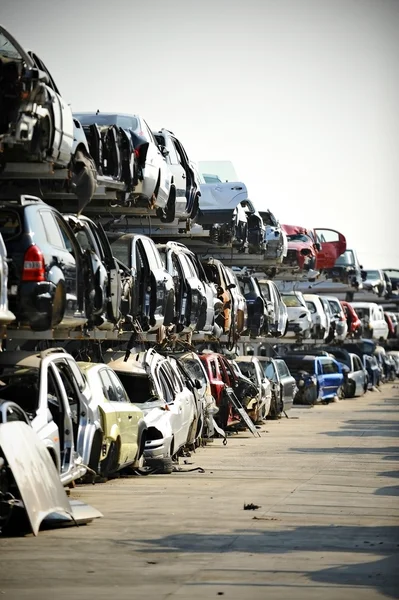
34,267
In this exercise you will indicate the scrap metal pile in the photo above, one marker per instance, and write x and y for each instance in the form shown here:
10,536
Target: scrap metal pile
147,307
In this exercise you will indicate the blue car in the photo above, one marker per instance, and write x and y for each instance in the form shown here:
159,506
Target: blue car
319,378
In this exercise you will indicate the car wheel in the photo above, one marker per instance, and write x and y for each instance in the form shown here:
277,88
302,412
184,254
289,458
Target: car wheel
59,303
351,390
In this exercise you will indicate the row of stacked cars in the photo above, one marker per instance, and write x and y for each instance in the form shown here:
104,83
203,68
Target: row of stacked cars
128,282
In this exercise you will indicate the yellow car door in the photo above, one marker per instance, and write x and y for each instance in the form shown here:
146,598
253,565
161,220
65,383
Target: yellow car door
128,418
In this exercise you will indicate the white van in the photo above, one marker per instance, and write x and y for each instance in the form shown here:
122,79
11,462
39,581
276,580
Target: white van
372,317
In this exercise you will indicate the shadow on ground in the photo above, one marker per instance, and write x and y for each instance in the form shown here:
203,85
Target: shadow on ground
382,541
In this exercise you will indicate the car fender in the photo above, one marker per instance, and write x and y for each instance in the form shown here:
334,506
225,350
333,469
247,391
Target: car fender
142,428
160,419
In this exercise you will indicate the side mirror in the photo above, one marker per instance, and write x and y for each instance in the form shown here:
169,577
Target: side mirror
231,286
198,384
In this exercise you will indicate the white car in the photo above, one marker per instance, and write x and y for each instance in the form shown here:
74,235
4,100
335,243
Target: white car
320,322
372,317
153,191
339,318
299,318
275,237
251,367
51,389
155,385
277,310
357,377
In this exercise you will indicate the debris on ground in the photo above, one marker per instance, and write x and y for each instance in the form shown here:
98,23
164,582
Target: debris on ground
251,506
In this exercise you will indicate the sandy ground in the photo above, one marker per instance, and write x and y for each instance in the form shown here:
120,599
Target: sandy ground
327,526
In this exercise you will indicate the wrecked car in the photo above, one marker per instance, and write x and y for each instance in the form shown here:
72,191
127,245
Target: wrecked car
258,315
277,310
120,440
155,385
51,389
302,249
49,283
185,178
275,237
283,385
194,298
36,123
259,406
125,150
152,297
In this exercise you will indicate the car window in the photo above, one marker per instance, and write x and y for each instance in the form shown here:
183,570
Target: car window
357,364
213,369
346,259
187,268
10,224
291,300
121,249
107,385
120,391
282,368
195,369
174,377
152,254
311,306
248,369
21,385
335,307
148,132
329,367
79,379
66,235
265,290
270,372
51,228
139,388
166,385
173,156
229,372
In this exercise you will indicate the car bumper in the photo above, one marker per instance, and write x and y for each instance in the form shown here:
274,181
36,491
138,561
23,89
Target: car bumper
158,448
34,304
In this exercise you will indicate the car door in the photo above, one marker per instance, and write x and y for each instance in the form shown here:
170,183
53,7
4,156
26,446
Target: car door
194,289
62,135
174,404
191,188
331,375
333,244
161,283
184,396
178,172
287,383
156,166
127,415
114,277
358,374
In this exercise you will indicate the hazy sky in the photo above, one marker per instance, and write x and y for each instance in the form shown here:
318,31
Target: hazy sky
301,95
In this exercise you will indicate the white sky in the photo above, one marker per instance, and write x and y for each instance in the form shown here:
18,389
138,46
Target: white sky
301,95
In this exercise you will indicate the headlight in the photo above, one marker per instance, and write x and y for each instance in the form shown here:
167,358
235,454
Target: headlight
301,383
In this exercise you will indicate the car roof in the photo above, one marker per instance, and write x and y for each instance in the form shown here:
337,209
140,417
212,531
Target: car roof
249,358
135,363
23,358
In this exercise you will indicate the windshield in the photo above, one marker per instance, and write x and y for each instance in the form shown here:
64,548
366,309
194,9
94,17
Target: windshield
121,250
335,306
362,312
299,237
346,259
7,50
299,364
291,300
138,388
195,369
248,369
123,121
21,385
373,275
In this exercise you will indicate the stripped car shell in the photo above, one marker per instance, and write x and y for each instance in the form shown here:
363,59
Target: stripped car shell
259,407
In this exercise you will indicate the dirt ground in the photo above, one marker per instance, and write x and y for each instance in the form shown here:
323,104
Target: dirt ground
327,526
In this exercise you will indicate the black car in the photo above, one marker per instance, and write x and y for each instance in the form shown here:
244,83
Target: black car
283,384
194,308
111,284
49,275
185,177
256,305
152,301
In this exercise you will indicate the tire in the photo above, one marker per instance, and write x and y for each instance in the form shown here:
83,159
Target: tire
351,390
161,466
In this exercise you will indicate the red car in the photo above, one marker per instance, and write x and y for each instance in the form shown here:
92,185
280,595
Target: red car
313,249
222,375
355,326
